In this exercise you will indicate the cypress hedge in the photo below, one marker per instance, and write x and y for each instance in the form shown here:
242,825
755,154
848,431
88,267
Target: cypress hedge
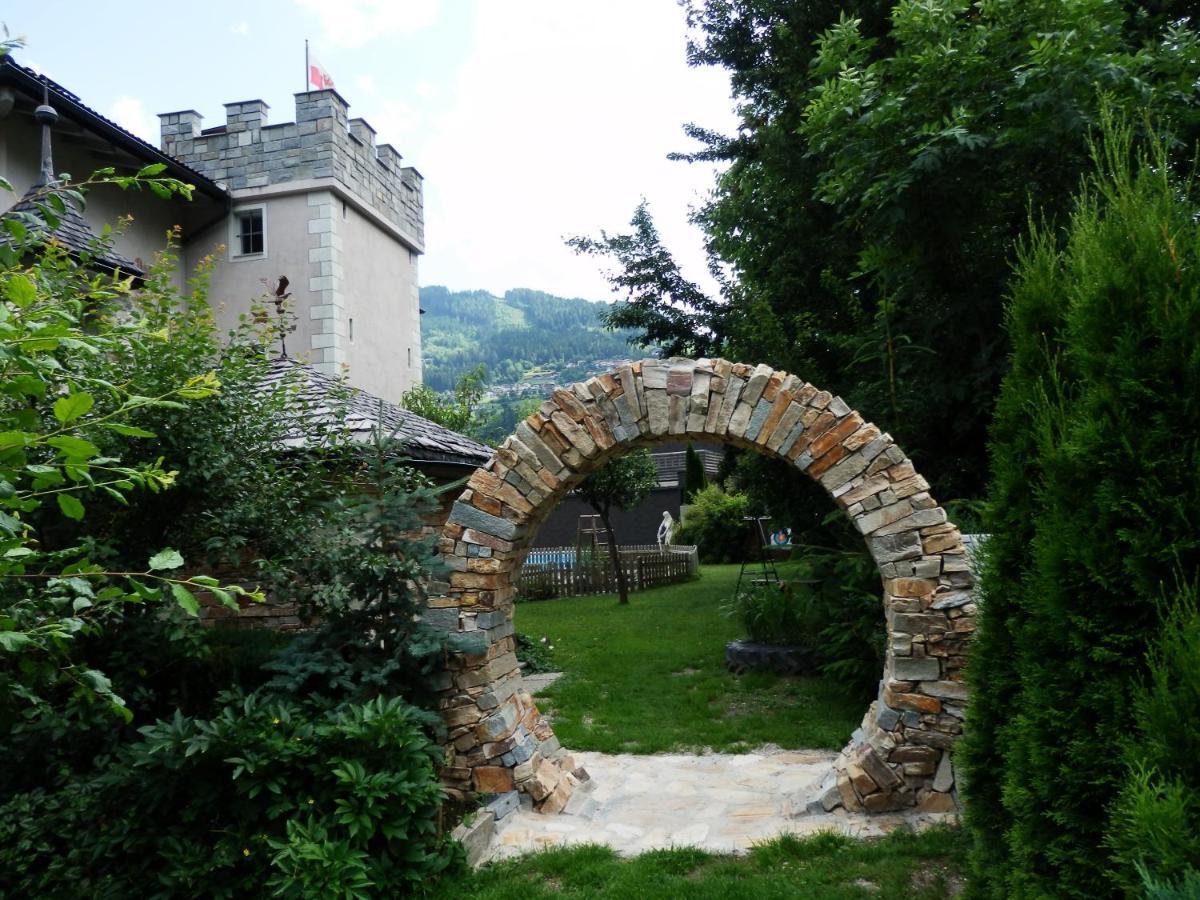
1094,511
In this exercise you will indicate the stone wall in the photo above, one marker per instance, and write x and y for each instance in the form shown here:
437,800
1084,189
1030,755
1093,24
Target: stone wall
898,758
323,142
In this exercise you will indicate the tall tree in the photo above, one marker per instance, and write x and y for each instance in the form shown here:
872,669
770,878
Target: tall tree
888,156
622,483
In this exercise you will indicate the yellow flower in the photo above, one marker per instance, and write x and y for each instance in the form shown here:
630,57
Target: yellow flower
310,801
245,851
274,721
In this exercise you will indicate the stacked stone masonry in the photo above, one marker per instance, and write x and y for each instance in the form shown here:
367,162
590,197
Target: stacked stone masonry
898,758
323,143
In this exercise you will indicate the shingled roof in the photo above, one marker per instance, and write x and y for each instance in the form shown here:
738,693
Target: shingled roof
71,230
323,402
32,83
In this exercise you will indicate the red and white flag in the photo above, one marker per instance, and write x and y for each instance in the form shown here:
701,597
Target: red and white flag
319,78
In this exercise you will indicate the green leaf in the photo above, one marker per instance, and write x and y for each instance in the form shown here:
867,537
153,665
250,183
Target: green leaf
13,641
25,385
97,681
186,599
226,599
166,559
128,430
70,506
21,291
73,447
10,524
15,439
69,408
151,170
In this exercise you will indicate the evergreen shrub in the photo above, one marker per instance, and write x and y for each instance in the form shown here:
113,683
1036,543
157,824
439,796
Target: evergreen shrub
1155,829
1094,513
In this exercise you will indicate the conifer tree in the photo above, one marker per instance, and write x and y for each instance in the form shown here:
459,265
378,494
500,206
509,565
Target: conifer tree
1095,517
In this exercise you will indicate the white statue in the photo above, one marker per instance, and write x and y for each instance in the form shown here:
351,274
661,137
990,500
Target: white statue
666,530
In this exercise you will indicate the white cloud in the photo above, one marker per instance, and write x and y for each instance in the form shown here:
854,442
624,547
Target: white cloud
560,121
353,23
366,83
241,29
130,113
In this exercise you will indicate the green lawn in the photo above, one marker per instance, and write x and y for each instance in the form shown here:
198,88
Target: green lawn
649,677
825,866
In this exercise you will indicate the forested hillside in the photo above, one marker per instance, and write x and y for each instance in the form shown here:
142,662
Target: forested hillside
523,337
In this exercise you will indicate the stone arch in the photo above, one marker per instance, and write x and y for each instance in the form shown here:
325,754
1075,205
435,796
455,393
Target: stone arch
899,757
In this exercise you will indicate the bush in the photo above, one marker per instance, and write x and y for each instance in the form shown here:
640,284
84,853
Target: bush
782,614
534,656
1094,508
271,794
847,604
832,608
263,762
1154,833
716,524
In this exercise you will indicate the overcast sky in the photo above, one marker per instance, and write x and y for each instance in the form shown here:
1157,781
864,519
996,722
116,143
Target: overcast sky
531,120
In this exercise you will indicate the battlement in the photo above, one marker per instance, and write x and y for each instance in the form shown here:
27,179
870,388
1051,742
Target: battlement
323,142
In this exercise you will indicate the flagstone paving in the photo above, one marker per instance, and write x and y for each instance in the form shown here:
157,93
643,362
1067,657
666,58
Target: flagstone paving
539,681
719,802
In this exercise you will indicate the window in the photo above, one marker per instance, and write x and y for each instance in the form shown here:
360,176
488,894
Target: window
249,236
352,329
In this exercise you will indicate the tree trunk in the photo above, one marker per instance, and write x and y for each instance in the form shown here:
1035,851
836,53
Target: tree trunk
615,552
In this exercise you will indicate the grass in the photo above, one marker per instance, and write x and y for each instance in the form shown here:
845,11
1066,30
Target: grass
903,864
650,677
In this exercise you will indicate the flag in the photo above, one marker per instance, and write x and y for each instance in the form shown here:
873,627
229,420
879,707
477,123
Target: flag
319,78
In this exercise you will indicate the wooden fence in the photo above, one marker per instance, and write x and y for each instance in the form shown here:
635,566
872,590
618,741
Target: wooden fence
562,572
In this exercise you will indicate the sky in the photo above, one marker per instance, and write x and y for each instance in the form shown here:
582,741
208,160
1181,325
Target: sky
530,120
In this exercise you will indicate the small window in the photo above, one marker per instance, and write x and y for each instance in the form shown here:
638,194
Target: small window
251,240
410,357
343,209
352,329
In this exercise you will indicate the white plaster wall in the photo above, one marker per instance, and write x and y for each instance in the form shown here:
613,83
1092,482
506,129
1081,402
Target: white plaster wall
145,236
380,294
235,283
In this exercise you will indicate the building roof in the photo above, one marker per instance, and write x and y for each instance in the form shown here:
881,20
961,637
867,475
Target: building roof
671,463
72,231
321,399
68,104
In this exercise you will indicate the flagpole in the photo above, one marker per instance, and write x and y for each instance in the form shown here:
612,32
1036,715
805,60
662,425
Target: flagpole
306,65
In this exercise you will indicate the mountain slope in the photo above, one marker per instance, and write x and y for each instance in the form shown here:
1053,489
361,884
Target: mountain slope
524,339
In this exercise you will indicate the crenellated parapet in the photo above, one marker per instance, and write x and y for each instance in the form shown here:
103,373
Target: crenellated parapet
323,143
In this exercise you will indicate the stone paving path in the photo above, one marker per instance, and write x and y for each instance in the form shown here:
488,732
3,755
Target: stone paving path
539,681
720,802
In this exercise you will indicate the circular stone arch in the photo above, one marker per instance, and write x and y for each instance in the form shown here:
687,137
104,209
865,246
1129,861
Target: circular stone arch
496,739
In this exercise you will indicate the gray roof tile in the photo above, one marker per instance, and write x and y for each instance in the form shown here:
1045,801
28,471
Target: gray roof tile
319,400
72,231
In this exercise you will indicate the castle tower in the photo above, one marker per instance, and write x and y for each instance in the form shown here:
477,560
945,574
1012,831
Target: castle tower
316,200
